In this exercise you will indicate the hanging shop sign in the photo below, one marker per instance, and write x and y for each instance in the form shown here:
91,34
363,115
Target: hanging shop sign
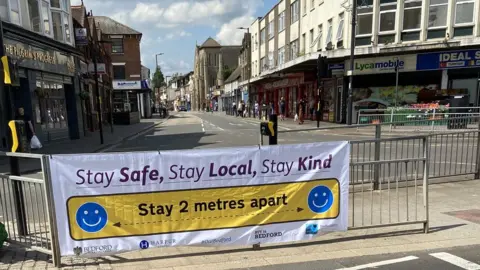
448,60
101,68
383,64
81,37
214,197
45,59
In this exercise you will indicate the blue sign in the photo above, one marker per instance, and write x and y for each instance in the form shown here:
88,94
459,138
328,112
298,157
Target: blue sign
336,66
447,60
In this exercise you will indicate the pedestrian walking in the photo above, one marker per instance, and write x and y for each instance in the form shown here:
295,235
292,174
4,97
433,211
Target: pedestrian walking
282,108
312,108
301,112
255,112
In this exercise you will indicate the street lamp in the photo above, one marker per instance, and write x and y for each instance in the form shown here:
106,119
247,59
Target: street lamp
156,60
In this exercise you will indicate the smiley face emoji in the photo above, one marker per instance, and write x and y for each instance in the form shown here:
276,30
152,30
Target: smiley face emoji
91,217
320,199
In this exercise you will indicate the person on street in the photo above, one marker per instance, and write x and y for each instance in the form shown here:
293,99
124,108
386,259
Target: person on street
282,108
256,107
234,108
312,108
29,130
239,108
301,112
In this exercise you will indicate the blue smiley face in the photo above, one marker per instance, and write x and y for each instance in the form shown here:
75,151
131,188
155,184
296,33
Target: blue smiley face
320,199
91,217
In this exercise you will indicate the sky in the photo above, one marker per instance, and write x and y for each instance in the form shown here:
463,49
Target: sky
173,27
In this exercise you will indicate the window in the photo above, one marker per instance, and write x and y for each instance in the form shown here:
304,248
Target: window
57,26
262,36
4,10
412,15
304,6
281,56
271,29
364,18
119,72
263,64
304,41
34,15
319,38
293,49
388,10
294,12
14,12
117,45
340,27
46,19
256,41
329,33
55,3
66,22
437,13
312,4
271,62
464,11
312,39
281,22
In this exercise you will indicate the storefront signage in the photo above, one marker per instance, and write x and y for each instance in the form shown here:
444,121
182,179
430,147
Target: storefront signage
283,83
336,66
101,68
37,58
127,85
447,60
81,37
383,64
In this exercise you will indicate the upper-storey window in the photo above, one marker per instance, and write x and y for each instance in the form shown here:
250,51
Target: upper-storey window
294,12
437,19
464,20
117,45
364,22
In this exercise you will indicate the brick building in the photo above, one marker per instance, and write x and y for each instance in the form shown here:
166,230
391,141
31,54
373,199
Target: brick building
128,86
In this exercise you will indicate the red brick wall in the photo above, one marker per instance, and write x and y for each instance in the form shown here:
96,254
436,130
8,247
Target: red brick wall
130,56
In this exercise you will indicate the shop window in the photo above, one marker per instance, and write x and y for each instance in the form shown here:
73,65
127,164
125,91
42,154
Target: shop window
57,26
281,22
117,45
341,26
119,72
364,21
294,12
50,107
34,15
14,12
464,22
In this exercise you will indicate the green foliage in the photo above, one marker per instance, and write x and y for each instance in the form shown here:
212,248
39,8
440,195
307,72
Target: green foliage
227,72
3,234
158,78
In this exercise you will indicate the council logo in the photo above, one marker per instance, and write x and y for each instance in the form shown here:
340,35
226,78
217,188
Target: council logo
91,217
320,199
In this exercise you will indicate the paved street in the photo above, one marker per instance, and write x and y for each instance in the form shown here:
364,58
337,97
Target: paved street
457,258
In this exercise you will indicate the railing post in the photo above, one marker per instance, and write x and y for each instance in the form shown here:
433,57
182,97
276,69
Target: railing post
426,187
477,163
376,173
391,117
434,119
18,197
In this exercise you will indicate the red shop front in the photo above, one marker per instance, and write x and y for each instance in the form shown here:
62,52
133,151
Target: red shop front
292,88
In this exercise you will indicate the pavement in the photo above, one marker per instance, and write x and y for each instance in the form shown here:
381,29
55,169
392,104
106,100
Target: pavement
454,218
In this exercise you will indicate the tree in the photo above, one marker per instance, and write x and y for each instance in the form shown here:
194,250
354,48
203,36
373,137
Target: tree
158,78
227,72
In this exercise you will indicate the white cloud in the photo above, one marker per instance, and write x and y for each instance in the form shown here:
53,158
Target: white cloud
146,12
229,33
171,66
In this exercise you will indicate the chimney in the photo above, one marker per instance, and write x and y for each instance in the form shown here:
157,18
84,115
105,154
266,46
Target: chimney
220,79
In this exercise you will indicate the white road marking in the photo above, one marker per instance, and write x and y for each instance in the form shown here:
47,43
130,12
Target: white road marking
452,259
203,127
382,263
233,124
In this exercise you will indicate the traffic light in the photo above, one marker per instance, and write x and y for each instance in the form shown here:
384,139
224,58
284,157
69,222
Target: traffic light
322,68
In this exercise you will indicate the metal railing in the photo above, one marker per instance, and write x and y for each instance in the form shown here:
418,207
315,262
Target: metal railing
381,193
25,207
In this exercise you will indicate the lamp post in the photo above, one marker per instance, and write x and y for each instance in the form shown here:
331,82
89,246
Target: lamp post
166,83
248,68
352,64
156,60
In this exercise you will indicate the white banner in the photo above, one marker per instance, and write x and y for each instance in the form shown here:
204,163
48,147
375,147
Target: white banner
112,203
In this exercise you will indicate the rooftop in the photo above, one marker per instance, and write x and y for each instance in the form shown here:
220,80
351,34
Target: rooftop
111,27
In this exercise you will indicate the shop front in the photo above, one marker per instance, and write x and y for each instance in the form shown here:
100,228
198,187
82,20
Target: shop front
43,85
126,102
293,88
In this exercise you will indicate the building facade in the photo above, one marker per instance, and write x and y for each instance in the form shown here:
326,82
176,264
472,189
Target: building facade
210,59
430,44
39,42
127,69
